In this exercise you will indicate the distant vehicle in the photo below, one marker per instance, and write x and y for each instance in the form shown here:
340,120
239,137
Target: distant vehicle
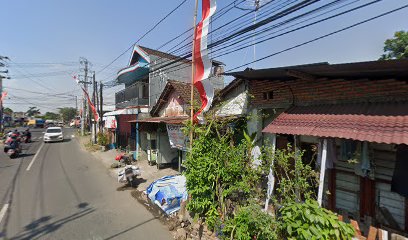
60,124
53,134
31,123
39,123
36,123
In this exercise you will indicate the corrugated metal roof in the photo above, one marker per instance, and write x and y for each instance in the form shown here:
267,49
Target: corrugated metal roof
373,122
170,120
371,69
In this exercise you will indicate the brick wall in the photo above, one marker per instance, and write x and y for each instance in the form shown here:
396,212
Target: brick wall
326,91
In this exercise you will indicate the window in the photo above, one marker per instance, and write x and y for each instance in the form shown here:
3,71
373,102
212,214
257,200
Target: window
268,95
53,130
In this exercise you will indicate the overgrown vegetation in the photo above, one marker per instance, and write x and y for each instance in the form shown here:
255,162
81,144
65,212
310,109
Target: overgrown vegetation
226,189
307,220
250,222
219,175
102,139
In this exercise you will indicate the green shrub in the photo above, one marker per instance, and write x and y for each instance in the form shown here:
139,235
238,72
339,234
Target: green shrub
102,139
309,221
219,174
251,222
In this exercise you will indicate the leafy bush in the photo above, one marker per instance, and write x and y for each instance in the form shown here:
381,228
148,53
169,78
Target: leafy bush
309,221
102,139
295,180
219,174
250,222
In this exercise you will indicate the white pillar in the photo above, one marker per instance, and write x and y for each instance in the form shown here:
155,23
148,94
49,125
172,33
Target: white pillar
271,178
322,172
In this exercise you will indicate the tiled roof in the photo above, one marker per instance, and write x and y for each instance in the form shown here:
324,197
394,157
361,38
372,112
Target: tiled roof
373,122
163,54
182,89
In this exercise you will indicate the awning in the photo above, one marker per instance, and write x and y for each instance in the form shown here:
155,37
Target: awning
122,112
372,122
170,120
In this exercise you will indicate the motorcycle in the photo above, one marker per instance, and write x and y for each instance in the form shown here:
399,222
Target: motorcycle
12,152
26,139
128,174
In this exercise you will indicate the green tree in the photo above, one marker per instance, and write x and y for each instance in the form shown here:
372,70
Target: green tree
67,113
32,111
397,47
51,116
8,110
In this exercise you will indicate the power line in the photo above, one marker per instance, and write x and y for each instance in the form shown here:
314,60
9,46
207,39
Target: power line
242,46
321,37
168,65
150,30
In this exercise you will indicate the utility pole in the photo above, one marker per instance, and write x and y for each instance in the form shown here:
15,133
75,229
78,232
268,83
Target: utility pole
93,100
100,106
85,107
76,103
1,91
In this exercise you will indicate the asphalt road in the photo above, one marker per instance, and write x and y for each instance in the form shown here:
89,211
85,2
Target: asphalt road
58,191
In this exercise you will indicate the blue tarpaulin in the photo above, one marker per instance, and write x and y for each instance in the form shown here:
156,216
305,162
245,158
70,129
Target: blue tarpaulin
168,192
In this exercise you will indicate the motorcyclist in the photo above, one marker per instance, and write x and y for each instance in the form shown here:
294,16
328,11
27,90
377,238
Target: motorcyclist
13,143
27,135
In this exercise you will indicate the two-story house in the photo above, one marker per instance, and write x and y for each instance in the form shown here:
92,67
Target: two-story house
145,78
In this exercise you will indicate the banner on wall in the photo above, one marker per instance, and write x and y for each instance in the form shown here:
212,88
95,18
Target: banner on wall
177,138
110,122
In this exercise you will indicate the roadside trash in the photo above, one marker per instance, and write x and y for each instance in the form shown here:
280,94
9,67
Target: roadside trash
168,192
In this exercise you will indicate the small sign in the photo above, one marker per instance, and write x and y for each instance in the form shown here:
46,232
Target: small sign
177,138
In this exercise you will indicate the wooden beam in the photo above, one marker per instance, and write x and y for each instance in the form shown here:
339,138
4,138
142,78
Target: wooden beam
382,234
372,233
300,75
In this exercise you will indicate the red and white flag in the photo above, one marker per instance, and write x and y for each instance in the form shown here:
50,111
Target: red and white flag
202,63
95,113
3,96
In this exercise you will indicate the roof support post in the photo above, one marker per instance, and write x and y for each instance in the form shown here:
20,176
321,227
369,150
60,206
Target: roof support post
322,172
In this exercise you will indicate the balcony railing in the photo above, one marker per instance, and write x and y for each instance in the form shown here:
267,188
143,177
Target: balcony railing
134,95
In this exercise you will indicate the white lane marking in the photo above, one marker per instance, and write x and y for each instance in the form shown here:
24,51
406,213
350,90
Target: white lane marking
72,136
3,211
34,138
39,137
35,157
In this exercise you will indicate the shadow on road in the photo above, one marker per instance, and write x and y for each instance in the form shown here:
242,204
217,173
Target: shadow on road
129,229
134,184
42,226
26,155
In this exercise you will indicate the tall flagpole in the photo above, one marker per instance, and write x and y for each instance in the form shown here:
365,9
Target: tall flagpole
192,75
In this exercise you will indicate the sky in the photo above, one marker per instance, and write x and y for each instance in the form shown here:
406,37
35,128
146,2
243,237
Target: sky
46,38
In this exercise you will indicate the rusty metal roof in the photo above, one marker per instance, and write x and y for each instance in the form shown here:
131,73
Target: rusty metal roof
371,69
373,122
